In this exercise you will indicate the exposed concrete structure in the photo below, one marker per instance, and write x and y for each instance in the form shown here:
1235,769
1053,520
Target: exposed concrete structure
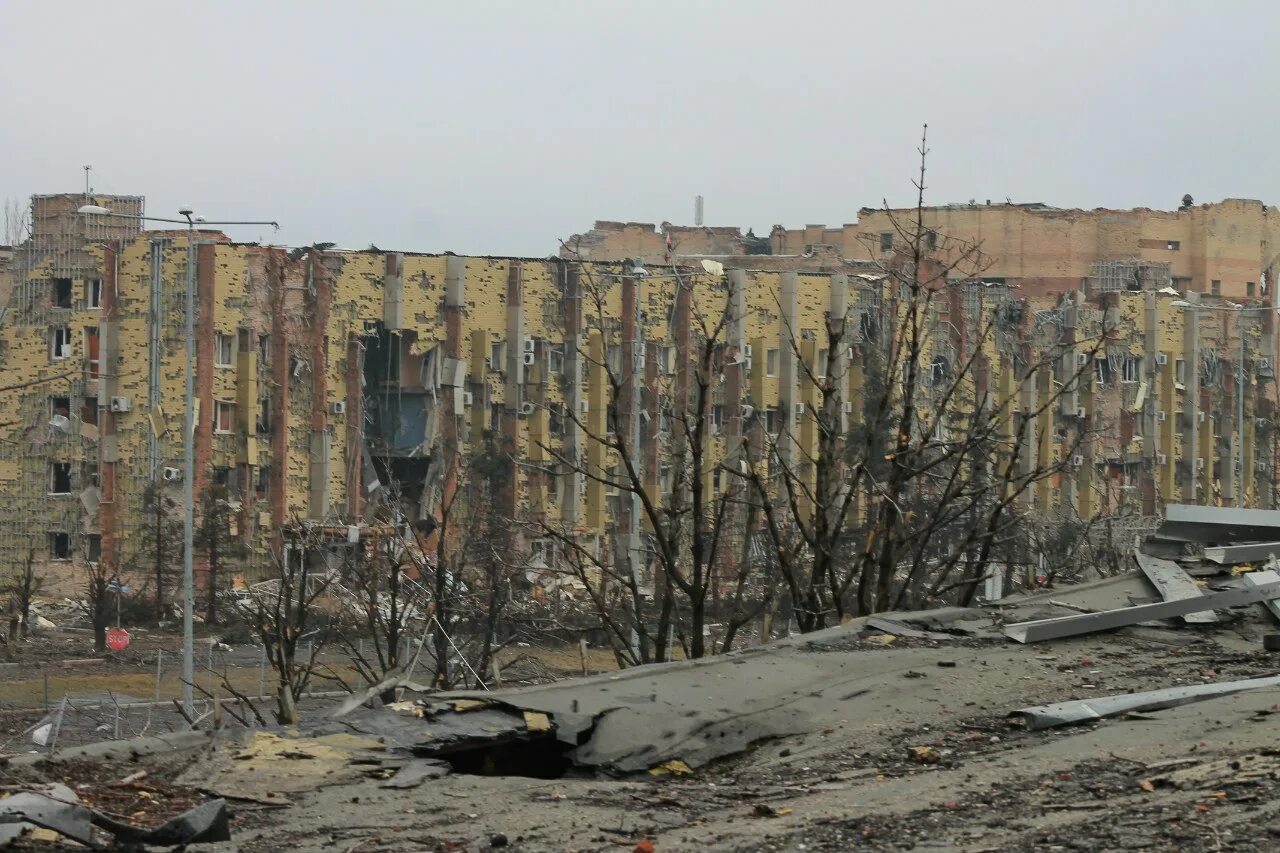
322,374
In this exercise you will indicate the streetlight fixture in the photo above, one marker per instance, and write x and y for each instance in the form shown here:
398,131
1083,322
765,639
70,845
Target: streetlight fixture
188,436
1233,308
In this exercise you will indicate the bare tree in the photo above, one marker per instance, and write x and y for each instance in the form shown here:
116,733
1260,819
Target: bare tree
285,610
22,587
656,582
98,596
159,545
214,536
905,501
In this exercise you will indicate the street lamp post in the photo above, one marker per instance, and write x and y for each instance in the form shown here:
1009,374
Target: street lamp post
1238,454
188,439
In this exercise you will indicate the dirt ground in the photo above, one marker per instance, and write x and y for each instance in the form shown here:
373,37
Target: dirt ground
892,744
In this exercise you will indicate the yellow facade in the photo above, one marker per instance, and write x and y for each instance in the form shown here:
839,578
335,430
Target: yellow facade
317,362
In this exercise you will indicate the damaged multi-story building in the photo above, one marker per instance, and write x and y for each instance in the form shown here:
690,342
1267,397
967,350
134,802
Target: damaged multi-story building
324,377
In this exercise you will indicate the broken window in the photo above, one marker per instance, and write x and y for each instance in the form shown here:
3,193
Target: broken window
263,483
59,406
555,418
222,348
1179,371
771,420
1103,367
228,478
555,359
497,355
264,349
930,240
771,362
93,547
59,546
263,424
91,345
59,343
59,478
717,418
886,241
614,357
1132,367
1215,287
224,416
1173,245
60,293
93,293
667,360
821,370
939,370
543,550
89,410
1248,288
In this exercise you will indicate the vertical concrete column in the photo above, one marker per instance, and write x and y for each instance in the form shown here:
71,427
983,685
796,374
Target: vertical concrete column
1150,376
1086,500
571,506
355,428
807,434
627,417
320,305
108,450
1207,441
650,434
596,423
1190,400
513,394
393,291
205,270
1044,439
788,343
735,367
455,300
680,403
1169,410
278,480
1027,403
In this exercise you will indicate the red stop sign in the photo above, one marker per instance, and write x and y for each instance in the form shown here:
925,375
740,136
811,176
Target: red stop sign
117,639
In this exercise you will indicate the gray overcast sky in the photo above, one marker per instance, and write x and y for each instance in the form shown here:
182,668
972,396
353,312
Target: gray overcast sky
496,128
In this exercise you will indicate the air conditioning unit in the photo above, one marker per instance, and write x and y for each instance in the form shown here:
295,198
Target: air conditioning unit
1082,413
584,406
713,428
466,398
1161,459
1077,460
1199,417
1161,417
746,350
746,363
799,409
529,345
339,408
120,404
847,407
528,358
526,408
1199,463
1264,364
747,411
171,475
1162,359
1262,466
1082,358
